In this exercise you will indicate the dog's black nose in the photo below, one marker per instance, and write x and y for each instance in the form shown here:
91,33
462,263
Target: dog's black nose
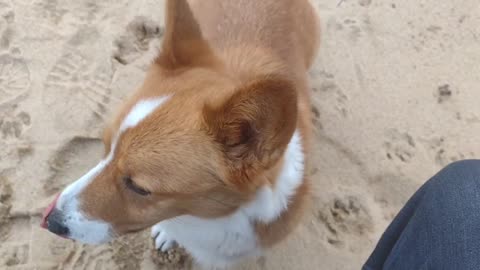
55,223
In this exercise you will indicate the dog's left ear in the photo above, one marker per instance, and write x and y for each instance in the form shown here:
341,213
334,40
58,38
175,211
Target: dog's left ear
254,126
183,43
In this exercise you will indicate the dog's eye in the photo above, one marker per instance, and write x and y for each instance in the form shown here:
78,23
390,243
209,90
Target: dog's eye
133,187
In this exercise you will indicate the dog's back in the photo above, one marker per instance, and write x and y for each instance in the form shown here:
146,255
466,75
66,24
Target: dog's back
289,28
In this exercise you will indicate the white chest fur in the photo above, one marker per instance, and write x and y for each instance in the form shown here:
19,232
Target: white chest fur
223,241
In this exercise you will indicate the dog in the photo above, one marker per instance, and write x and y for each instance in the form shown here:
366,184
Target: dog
211,151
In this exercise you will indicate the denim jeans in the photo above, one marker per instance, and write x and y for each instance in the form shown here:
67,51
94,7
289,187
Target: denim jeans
438,228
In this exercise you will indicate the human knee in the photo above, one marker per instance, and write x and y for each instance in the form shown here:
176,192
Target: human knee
460,177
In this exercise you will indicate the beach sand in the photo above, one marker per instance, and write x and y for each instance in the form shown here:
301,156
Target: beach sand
395,98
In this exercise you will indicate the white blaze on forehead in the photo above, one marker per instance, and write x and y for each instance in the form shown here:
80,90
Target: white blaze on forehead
95,231
140,111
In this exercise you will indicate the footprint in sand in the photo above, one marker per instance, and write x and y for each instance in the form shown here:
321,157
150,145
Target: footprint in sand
391,191
14,254
355,29
15,141
89,257
14,79
444,93
6,25
316,120
329,93
343,216
5,204
11,253
445,151
399,146
71,161
365,3
50,10
123,253
129,251
77,88
136,41
79,13
13,126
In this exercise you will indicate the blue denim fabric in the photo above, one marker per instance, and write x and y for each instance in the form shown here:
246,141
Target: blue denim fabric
439,227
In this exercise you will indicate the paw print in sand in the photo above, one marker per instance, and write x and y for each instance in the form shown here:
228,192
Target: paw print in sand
399,146
13,126
7,16
14,79
345,216
136,40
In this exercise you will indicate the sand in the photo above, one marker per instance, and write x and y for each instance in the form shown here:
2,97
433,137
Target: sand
395,98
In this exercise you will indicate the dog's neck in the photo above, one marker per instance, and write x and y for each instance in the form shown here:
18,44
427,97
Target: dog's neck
273,197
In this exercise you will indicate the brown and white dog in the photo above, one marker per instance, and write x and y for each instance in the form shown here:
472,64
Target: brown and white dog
212,149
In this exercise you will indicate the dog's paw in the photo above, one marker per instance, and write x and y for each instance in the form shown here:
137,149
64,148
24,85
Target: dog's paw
162,240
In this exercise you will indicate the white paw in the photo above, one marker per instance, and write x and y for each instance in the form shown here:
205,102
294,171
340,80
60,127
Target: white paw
162,240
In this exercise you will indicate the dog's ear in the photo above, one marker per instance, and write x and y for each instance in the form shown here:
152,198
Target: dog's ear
183,43
253,127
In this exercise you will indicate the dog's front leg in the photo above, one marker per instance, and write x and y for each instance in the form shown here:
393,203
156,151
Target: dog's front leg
163,241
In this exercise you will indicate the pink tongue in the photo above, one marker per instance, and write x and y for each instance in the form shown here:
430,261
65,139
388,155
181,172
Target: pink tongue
48,211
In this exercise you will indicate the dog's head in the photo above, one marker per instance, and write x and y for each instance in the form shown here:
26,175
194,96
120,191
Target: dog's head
193,140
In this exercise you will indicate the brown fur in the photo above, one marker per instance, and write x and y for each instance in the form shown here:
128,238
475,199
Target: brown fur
239,90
